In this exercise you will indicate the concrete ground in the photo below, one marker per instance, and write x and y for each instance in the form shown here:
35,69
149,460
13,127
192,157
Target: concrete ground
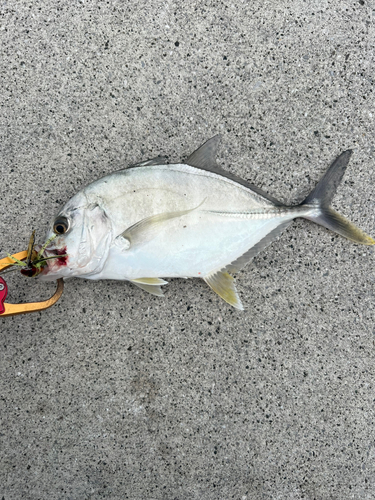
116,394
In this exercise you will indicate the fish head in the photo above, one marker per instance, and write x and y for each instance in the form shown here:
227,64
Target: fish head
80,238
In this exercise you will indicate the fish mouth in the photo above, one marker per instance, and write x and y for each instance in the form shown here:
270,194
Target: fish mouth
55,258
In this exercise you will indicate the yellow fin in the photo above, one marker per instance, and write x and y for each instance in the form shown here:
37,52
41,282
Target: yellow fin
152,289
150,281
222,283
331,219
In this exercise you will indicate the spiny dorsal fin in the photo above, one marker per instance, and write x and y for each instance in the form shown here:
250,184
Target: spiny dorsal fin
146,229
222,283
204,158
152,289
158,160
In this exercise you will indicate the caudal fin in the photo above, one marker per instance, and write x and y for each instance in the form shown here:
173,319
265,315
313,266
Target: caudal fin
321,197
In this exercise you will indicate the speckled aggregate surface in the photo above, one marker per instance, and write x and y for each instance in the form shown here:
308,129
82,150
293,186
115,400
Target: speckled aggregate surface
116,394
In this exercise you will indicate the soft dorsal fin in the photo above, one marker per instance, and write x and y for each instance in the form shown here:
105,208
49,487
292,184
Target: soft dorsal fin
205,156
158,160
205,159
223,284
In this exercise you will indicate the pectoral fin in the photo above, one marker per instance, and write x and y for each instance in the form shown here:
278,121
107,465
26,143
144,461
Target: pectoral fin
146,229
222,283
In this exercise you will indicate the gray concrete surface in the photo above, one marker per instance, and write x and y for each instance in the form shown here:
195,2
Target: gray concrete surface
116,394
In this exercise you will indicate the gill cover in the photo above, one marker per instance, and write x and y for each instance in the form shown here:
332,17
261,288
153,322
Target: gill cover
86,242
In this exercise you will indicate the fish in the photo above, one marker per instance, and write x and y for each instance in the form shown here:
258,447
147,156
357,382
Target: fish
155,220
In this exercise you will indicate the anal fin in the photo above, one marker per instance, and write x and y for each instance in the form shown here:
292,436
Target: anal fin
223,284
239,263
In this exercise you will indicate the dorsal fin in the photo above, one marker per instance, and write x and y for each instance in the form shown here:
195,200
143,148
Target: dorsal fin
158,160
204,158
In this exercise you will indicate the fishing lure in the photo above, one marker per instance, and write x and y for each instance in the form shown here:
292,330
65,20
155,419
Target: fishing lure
31,264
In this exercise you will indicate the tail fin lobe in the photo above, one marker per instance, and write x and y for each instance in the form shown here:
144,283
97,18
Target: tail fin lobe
321,197
332,220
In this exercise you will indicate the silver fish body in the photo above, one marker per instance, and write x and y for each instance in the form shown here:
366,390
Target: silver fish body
153,221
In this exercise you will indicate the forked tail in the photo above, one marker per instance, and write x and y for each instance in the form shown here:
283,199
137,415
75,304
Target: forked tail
321,197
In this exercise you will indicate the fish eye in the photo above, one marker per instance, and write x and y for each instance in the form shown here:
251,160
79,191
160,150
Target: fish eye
61,225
